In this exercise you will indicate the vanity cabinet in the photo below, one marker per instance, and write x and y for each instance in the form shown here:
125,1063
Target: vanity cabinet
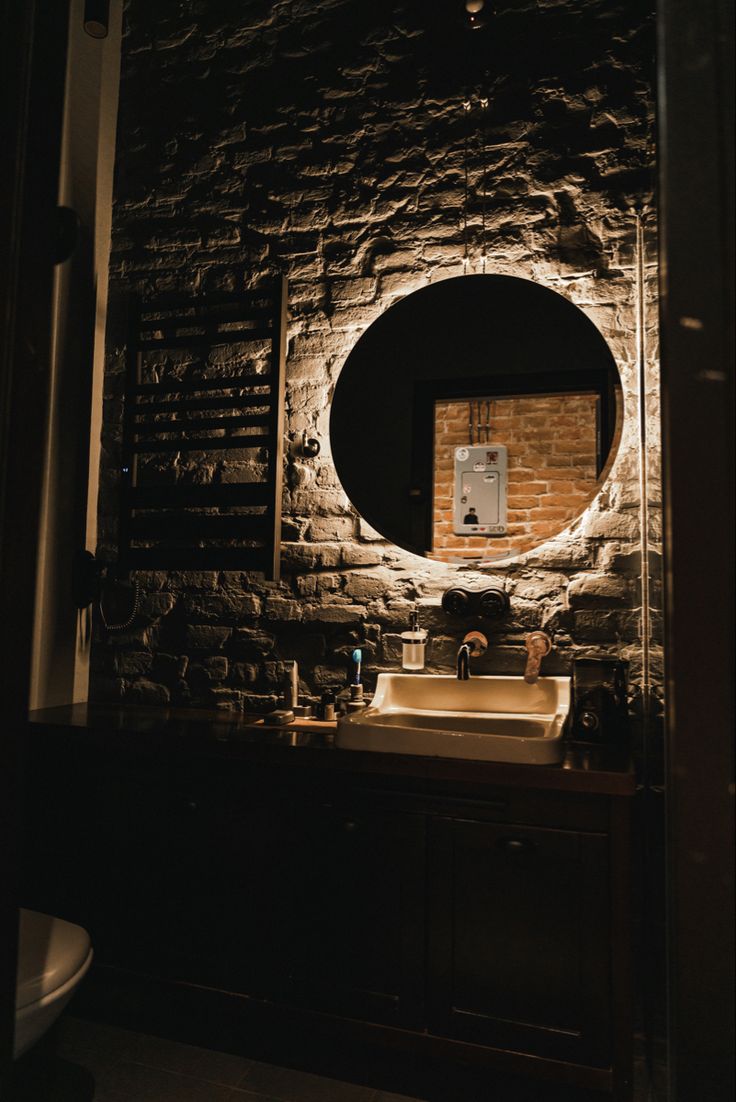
438,911
518,949
488,932
351,903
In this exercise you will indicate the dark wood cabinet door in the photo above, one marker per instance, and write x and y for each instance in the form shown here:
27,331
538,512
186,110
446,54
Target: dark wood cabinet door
519,939
351,894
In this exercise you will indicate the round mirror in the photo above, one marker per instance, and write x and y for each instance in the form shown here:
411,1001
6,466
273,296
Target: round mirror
476,418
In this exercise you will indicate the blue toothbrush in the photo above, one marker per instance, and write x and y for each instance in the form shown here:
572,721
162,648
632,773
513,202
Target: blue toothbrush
357,658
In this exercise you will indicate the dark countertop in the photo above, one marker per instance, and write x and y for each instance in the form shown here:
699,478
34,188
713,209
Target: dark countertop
606,770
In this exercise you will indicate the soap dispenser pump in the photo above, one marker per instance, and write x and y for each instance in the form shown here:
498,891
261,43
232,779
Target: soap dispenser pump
413,643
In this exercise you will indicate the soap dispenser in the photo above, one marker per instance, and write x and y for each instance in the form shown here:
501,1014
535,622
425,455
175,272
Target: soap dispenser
413,643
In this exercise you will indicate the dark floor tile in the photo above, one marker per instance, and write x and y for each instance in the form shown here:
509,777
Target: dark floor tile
51,1079
222,1067
289,1085
158,1052
302,1086
384,1096
263,1078
99,1063
100,1048
112,1095
237,1094
140,1083
78,1035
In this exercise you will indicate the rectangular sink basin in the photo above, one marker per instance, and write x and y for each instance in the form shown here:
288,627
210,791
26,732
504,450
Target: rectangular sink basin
483,719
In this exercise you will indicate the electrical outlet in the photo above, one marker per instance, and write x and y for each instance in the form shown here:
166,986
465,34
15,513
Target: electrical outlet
489,603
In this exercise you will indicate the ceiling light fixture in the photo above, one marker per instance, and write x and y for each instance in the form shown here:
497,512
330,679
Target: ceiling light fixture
474,17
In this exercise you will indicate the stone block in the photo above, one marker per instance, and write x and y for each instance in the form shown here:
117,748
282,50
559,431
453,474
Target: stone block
216,666
612,526
539,586
198,678
367,586
282,608
133,663
244,673
292,528
599,591
205,637
143,691
226,700
310,556
273,676
368,533
152,606
306,585
619,558
567,555
391,648
259,703
355,554
331,528
601,626
192,579
330,677
169,667
394,617
251,643
221,608
335,614
328,503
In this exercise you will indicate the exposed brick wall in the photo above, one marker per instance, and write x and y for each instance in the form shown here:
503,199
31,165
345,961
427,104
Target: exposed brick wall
326,140
551,443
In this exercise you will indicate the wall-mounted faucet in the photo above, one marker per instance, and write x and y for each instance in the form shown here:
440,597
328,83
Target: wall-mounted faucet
473,645
538,644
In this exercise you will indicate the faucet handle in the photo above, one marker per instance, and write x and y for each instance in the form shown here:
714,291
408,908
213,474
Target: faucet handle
477,642
538,644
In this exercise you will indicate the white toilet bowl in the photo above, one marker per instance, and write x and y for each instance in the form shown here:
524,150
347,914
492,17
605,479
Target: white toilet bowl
53,957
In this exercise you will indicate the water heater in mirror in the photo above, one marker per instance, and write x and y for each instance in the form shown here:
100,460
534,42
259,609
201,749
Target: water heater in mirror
481,478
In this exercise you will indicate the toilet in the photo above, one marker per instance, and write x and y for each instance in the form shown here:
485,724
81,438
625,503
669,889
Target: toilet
53,957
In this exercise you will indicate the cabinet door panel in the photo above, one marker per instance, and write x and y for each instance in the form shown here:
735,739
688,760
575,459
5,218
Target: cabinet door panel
355,926
519,938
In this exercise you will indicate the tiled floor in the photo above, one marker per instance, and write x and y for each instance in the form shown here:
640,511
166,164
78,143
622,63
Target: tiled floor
97,1063
104,1064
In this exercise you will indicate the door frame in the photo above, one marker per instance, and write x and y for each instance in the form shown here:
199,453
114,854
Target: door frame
697,328
33,62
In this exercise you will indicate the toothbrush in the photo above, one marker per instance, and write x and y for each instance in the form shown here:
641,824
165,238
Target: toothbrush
357,658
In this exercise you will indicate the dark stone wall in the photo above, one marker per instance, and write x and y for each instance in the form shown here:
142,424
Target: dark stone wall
328,140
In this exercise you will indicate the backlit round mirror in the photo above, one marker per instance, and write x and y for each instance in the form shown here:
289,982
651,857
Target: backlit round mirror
476,418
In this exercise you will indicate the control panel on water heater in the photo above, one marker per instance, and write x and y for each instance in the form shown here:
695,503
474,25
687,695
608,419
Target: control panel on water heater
481,478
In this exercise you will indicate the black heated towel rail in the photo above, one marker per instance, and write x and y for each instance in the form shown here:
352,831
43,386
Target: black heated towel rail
202,448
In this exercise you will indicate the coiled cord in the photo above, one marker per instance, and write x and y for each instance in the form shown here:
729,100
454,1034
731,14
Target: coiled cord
133,614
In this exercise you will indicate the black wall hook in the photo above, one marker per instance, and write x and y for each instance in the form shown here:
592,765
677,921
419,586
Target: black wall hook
308,447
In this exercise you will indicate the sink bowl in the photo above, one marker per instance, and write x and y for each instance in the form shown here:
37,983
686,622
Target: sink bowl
483,719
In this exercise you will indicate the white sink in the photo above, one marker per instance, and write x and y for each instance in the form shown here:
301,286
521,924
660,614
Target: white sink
484,718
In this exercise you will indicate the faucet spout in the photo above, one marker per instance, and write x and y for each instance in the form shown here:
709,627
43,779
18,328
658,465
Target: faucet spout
463,662
474,644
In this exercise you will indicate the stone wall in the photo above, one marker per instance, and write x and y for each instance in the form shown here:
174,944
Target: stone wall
328,140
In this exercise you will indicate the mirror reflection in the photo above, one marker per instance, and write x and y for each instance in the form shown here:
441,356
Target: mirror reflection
476,418
511,472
